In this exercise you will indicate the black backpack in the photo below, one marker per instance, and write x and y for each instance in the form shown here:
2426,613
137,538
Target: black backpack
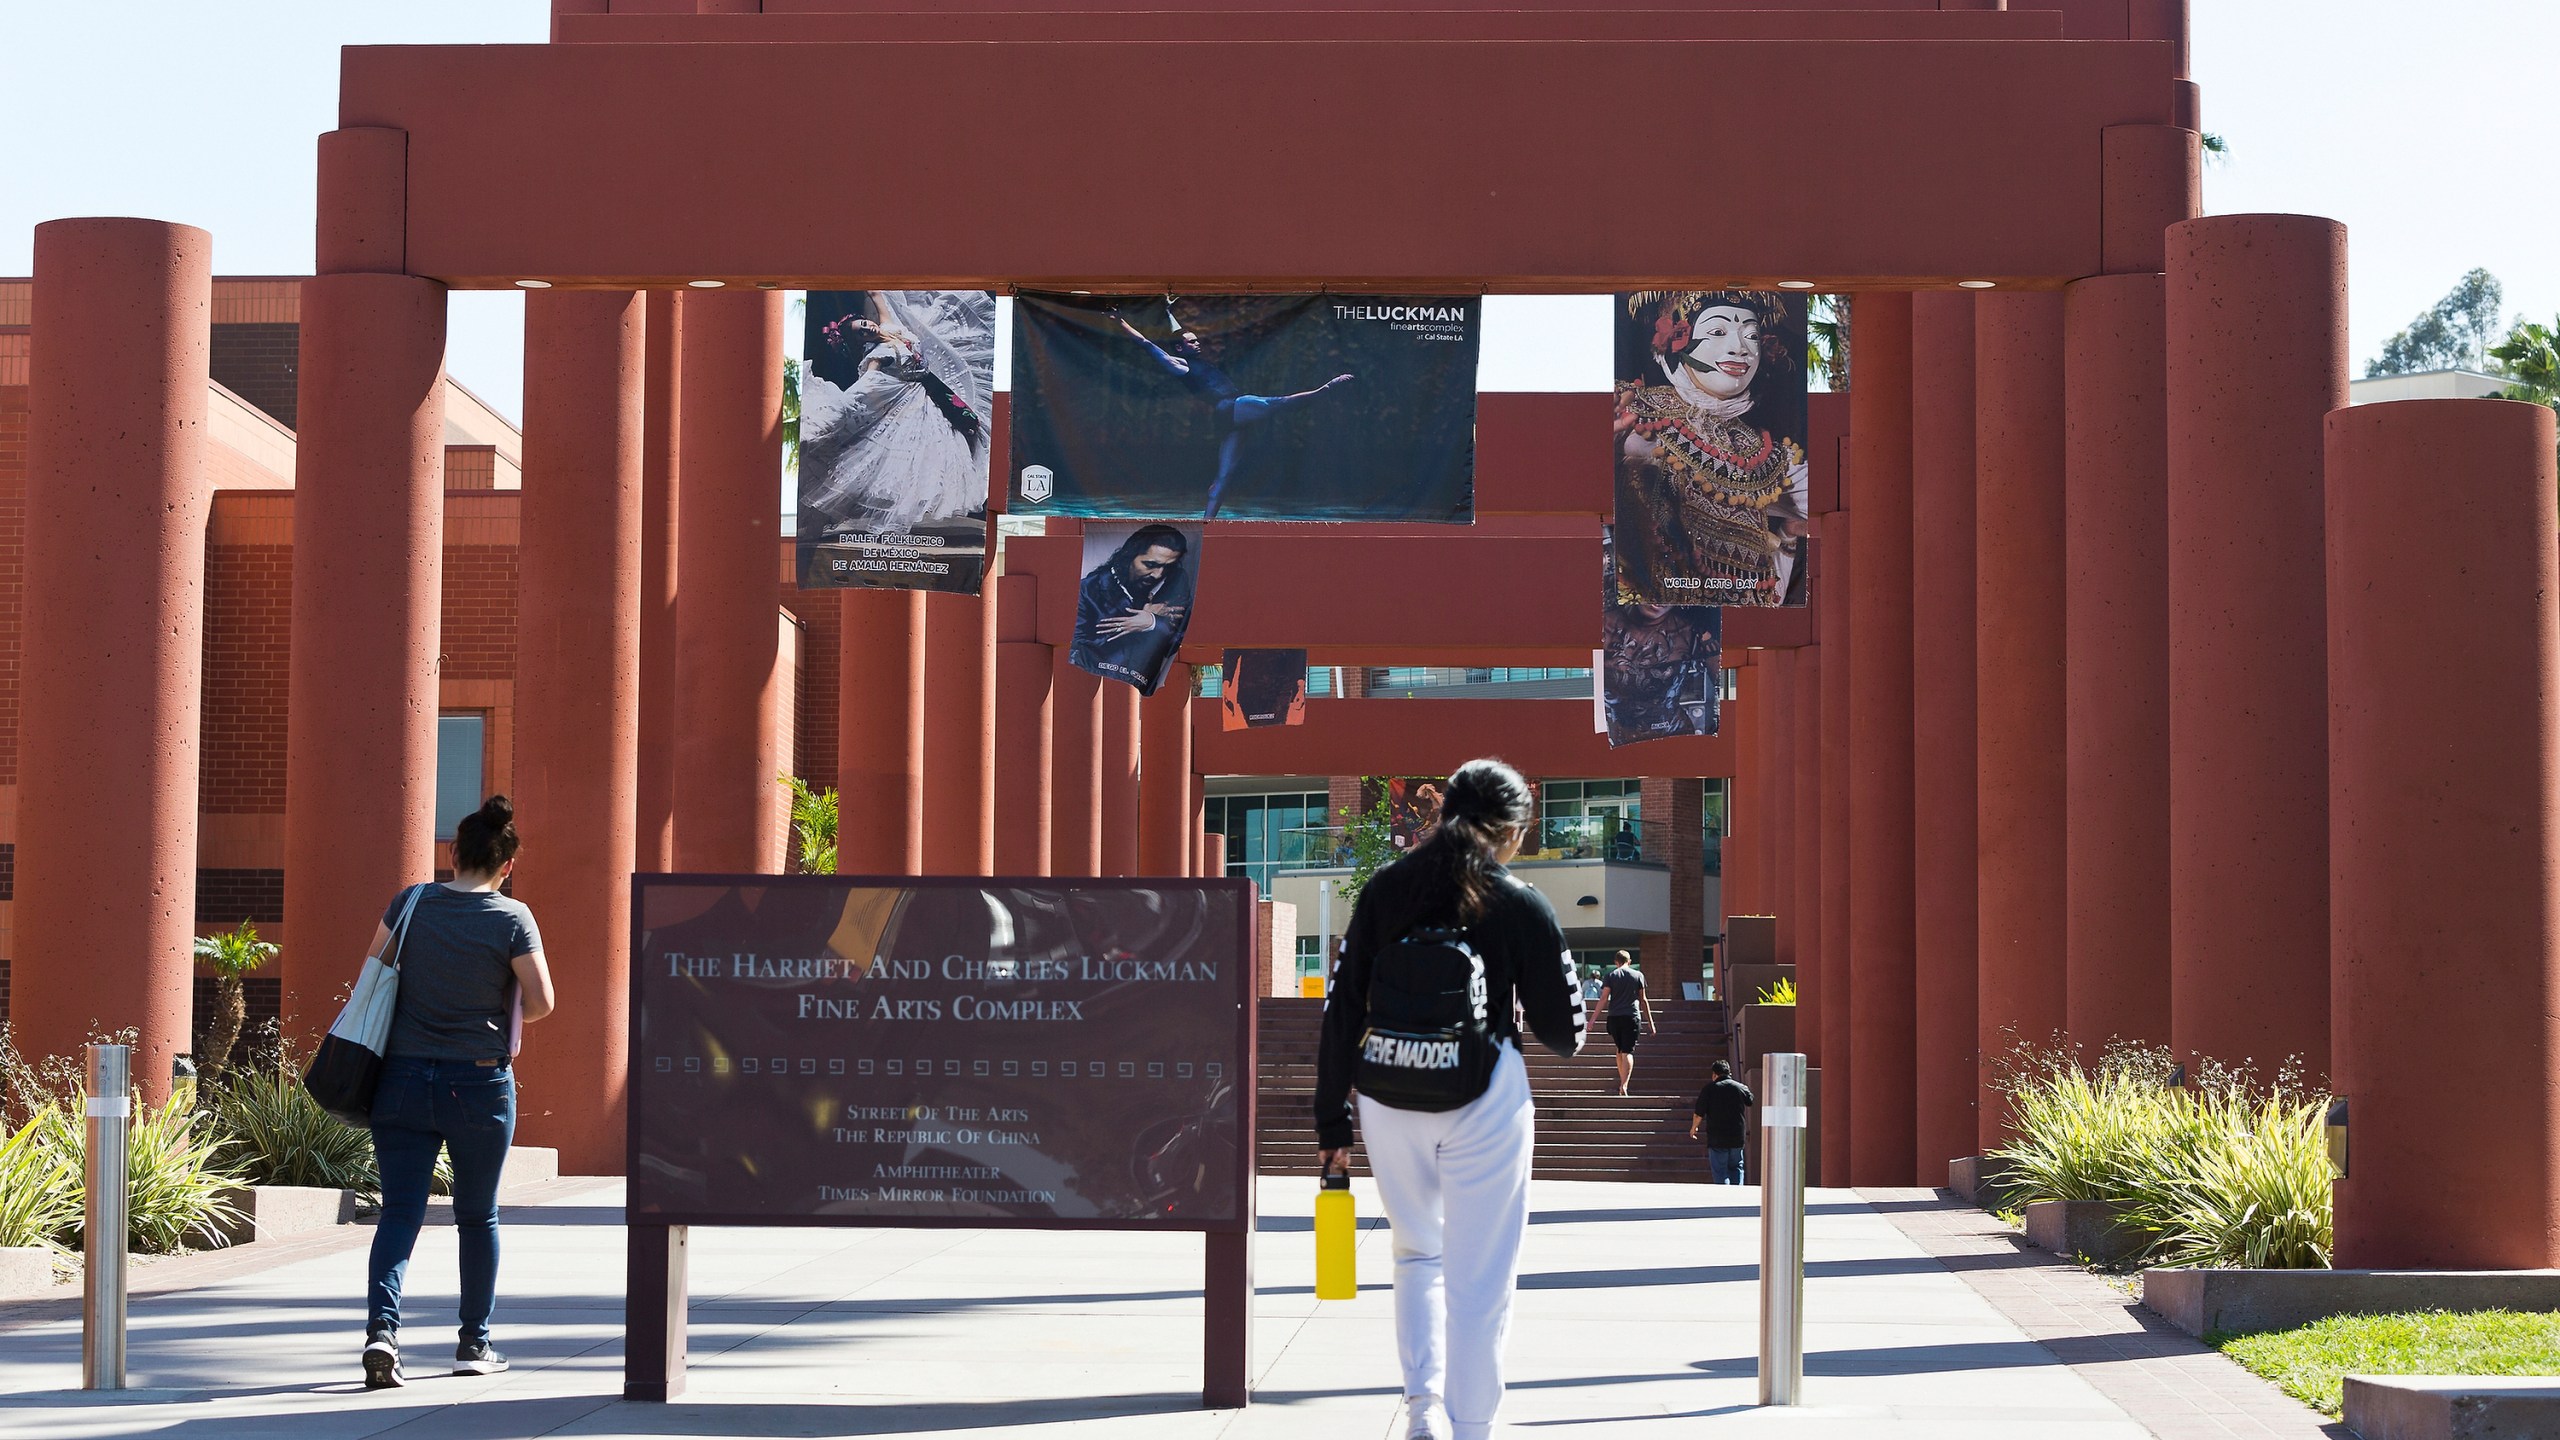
1430,1044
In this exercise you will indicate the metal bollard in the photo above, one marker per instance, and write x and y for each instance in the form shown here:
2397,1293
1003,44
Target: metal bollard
103,1227
1782,1116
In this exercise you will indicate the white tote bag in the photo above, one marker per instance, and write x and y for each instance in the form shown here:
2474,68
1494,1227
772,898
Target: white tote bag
342,1076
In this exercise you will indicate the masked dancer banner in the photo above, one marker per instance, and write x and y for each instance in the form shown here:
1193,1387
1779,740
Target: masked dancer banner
1135,602
1660,665
1710,440
895,393
1245,407
1257,688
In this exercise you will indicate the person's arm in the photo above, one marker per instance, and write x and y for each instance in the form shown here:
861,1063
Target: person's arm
1346,1015
1550,993
381,941
533,979
1171,364
1644,997
1698,1108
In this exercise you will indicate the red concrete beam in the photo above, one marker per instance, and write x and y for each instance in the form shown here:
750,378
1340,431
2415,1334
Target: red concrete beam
1434,737
1718,20
655,164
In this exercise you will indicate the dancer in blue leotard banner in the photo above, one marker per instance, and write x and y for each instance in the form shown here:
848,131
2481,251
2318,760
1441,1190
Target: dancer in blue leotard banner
1238,412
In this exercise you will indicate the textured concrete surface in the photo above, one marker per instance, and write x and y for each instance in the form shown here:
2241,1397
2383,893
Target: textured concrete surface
2239,1302
2452,1407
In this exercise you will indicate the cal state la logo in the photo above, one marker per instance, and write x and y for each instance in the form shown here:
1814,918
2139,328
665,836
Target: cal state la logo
1038,482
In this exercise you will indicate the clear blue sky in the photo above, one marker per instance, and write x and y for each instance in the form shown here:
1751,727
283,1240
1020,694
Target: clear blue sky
2425,127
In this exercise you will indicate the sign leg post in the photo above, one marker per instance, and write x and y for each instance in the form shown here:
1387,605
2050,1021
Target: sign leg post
1229,1358
653,1313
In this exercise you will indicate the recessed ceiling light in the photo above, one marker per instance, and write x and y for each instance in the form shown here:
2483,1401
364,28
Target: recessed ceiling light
1795,284
706,284
1976,284
535,284
1079,292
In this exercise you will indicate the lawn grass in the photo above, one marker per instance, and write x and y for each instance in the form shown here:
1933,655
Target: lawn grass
2311,1363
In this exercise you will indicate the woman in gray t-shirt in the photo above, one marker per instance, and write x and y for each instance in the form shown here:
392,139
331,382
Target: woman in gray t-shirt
467,954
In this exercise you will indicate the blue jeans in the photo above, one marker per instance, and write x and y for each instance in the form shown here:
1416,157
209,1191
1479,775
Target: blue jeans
421,1107
1724,1167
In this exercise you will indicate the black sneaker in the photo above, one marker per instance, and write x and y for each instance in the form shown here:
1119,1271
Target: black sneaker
478,1357
382,1362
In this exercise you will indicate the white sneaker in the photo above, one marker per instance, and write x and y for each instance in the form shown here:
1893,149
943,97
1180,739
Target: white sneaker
1422,1418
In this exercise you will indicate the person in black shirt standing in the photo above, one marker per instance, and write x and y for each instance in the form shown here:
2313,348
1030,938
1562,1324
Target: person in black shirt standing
1720,1107
1462,1174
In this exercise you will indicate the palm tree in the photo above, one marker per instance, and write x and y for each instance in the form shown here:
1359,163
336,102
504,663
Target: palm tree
232,955
1827,339
813,826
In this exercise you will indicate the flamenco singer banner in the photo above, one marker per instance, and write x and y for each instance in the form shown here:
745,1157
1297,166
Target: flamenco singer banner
1245,407
895,394
1258,688
1710,437
1135,602
1660,665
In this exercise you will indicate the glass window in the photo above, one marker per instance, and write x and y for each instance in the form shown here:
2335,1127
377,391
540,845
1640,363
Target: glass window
460,750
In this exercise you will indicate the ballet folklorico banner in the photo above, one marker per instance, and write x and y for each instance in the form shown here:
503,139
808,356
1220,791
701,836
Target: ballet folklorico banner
1258,688
1245,407
1135,602
1710,447
1661,666
896,387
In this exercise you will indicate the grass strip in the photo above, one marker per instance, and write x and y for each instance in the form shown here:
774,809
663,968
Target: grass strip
2311,1363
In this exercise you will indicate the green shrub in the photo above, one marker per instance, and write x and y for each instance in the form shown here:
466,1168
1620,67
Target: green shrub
2083,1132
176,1180
39,1190
271,1132
813,826
1782,993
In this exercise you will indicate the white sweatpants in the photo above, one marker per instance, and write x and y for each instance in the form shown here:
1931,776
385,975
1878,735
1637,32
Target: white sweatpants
1456,1187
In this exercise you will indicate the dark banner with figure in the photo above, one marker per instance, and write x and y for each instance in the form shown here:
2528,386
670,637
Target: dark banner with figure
1135,602
1661,666
1710,447
1262,687
1245,407
896,396
816,1050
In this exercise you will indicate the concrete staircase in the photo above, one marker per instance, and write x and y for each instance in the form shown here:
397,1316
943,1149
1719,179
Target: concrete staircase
1586,1131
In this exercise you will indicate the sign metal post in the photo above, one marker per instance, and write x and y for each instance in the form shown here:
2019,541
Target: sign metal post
102,1299
1783,1115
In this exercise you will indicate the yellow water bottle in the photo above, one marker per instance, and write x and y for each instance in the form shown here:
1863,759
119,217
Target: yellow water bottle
1337,1236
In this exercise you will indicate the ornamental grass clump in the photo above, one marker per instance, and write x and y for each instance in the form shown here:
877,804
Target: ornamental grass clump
177,1180
2084,1132
39,1190
1782,993
271,1132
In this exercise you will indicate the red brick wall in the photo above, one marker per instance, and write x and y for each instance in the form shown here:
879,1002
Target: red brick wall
1674,820
248,642
479,612
257,363
13,525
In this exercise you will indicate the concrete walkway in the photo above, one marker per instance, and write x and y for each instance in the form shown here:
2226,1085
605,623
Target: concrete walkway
1635,1320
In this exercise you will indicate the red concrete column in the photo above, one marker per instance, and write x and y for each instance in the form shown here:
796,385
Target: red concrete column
880,730
1807,779
1023,757
1212,861
1945,890
1075,777
1744,802
2444,826
731,808
1880,847
1119,823
368,582
1780,786
112,639
2257,345
2115,547
1168,827
1839,987
661,441
2018,635
959,830
577,728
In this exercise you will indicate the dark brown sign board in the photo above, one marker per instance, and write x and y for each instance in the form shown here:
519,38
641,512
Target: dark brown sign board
1049,1054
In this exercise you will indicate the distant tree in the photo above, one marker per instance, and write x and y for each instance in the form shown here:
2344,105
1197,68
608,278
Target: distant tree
2217,150
2454,334
1827,348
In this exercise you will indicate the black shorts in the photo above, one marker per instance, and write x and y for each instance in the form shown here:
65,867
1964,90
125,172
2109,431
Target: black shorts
1622,1033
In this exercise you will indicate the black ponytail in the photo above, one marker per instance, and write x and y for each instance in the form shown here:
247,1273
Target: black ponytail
1461,855
486,838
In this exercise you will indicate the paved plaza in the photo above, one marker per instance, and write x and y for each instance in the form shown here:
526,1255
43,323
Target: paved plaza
1636,1320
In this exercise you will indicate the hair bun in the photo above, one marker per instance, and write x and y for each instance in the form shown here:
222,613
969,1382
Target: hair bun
497,810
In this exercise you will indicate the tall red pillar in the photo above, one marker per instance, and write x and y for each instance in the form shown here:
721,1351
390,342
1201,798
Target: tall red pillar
731,809
1807,780
2257,345
2444,826
1024,709
577,727
880,727
1839,987
1168,830
1945,892
1075,779
1119,779
959,739
1781,788
2019,636
661,443
111,645
1746,812
2116,616
1880,846
368,583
